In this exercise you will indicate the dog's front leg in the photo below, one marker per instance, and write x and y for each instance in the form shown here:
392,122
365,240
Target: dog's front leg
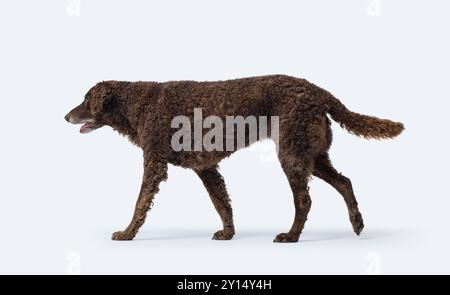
215,185
154,173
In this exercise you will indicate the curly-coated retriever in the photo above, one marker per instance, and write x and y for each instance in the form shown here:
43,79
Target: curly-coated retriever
144,111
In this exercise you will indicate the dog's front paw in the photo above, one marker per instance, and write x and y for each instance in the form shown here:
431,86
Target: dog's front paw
224,234
285,238
122,236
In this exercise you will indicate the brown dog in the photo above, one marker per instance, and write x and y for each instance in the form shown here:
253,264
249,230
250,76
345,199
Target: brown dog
143,112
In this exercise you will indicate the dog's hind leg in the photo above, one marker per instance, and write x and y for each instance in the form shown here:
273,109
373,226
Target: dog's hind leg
298,170
215,185
154,173
325,171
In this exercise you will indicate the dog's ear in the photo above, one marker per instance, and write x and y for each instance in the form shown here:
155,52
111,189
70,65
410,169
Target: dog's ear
102,95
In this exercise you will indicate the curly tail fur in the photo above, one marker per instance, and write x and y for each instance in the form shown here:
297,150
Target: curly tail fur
362,125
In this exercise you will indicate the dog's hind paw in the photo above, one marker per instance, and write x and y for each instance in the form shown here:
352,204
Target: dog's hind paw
285,238
223,235
122,236
357,223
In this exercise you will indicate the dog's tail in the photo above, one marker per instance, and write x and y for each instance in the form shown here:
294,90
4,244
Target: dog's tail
362,125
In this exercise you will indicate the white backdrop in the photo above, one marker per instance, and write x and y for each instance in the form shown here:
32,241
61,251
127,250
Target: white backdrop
62,194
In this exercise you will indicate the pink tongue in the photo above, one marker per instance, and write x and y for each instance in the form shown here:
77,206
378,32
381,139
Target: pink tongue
85,126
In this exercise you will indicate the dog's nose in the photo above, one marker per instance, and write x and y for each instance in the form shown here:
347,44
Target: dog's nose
67,117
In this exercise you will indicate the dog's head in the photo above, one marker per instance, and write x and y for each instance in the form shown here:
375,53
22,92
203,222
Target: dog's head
93,111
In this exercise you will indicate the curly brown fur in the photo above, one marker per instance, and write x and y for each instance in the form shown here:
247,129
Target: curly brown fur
143,111
215,185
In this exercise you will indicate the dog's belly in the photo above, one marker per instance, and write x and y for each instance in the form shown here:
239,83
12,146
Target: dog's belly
213,146
198,160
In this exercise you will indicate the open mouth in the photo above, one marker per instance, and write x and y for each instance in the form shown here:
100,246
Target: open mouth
88,126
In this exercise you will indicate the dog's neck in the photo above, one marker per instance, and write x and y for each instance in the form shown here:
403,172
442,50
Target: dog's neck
130,113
